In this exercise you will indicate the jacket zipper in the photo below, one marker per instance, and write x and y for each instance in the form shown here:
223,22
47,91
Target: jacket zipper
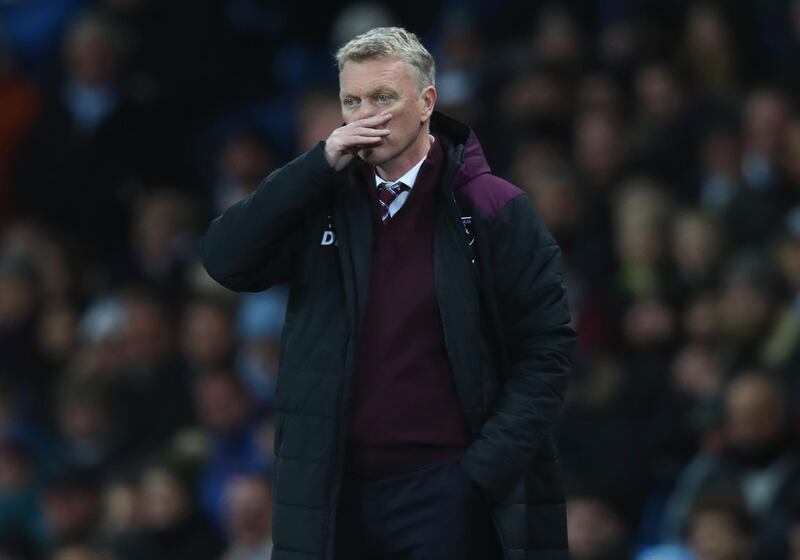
341,439
453,221
471,255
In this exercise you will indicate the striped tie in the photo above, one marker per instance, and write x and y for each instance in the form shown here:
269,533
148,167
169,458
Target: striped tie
387,193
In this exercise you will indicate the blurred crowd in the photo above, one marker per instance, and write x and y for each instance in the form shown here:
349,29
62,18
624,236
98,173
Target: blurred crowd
659,139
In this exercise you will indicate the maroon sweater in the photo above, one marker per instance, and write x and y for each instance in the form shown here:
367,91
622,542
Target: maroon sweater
405,409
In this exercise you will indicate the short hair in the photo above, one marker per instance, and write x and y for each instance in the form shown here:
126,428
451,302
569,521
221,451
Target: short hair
391,42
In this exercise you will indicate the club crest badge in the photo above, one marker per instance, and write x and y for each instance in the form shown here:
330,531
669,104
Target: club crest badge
466,221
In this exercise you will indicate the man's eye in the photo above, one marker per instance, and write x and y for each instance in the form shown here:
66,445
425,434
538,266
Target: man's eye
383,98
349,102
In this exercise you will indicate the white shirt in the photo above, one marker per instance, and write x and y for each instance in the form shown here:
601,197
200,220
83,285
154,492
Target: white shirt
409,179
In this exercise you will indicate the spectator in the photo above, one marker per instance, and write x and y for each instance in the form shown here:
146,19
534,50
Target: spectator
71,505
77,551
20,510
152,388
719,528
759,459
33,30
170,528
245,160
120,515
248,519
601,151
87,148
57,336
260,321
224,409
663,133
162,245
20,283
19,103
596,529
793,536
753,313
207,329
697,249
708,52
759,204
100,331
86,425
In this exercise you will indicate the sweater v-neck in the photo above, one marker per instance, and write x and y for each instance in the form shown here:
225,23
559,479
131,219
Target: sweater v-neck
427,178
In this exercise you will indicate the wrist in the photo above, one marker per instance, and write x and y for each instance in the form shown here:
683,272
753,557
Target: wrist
332,155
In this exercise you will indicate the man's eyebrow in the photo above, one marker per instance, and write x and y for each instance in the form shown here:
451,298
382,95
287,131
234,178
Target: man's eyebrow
372,92
385,88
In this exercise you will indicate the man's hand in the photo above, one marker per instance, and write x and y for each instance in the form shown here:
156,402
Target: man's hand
346,140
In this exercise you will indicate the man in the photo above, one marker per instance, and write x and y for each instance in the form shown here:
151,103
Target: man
758,460
426,347
248,518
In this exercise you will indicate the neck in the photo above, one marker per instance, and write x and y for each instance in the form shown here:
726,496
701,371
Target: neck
395,168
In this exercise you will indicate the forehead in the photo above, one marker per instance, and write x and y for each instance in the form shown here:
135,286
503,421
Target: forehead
367,75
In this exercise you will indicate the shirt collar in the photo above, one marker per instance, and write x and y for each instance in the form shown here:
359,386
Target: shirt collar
408,179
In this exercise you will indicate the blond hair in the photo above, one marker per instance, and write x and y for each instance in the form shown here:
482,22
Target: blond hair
391,42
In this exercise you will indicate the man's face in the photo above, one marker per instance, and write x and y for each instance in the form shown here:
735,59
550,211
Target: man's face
221,406
378,85
753,411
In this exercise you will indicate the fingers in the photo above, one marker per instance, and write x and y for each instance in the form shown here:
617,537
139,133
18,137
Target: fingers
361,131
357,141
361,136
355,135
373,121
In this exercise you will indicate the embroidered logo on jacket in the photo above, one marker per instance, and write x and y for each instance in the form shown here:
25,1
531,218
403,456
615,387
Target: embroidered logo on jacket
466,221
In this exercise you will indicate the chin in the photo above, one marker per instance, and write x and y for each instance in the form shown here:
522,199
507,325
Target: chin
374,156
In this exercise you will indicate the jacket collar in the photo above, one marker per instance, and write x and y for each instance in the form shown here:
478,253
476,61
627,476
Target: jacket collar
462,147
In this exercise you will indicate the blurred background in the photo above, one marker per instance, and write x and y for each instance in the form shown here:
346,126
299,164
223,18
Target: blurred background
660,141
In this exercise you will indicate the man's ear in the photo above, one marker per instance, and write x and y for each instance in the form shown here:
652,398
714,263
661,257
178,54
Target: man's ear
428,100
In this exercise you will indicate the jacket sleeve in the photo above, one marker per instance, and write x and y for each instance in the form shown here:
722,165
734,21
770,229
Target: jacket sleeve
535,321
253,244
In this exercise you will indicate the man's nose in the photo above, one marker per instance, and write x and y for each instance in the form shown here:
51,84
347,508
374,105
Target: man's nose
366,110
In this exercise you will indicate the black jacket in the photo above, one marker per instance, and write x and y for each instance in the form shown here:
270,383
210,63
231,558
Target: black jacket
497,274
